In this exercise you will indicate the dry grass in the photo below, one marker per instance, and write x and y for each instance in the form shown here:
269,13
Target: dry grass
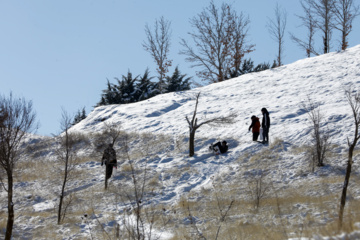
288,211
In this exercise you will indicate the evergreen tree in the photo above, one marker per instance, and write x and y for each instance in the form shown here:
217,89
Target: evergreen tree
144,88
261,67
247,66
126,89
177,82
274,65
80,115
108,96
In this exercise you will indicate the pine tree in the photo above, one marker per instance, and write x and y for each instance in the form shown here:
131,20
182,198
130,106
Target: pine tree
247,66
274,65
144,88
126,88
177,82
261,67
129,89
108,96
80,115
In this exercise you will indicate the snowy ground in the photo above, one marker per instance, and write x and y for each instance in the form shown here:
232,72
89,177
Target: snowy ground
175,176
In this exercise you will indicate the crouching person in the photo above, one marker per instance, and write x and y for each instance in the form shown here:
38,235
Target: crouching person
109,159
221,147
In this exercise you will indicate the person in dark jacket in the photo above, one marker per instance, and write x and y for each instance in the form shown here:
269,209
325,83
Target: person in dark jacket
265,125
222,146
255,125
109,158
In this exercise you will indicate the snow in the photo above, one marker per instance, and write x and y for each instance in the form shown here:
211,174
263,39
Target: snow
282,91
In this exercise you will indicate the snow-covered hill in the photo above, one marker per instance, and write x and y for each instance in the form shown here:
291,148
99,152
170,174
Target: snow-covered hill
283,163
281,90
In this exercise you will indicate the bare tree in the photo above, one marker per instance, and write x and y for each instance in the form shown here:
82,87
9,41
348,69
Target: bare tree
66,154
276,28
309,22
345,12
16,120
158,44
194,125
239,29
320,138
258,189
136,196
354,102
220,41
323,11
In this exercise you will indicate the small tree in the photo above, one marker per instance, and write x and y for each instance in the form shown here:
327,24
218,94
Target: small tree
158,44
16,120
320,138
125,89
194,125
80,115
258,189
177,82
354,102
276,29
66,154
248,67
108,95
144,87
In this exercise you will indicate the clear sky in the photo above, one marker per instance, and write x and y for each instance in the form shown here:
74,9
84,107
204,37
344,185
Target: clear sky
59,54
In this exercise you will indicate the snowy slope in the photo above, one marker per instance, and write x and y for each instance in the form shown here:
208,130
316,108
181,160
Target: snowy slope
282,91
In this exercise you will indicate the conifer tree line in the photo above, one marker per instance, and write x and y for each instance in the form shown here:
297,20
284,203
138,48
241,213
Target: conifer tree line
219,43
131,89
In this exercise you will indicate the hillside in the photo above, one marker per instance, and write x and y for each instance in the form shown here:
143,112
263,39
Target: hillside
192,193
281,91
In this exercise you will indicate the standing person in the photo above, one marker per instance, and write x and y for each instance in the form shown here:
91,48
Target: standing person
109,158
255,125
265,125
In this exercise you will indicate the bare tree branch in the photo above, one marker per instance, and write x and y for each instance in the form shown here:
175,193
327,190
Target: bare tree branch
276,28
220,42
193,124
323,11
309,22
345,12
158,45
353,99
16,120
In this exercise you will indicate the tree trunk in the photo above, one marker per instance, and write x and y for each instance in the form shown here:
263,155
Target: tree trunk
344,44
106,179
60,206
346,183
10,221
191,143
62,194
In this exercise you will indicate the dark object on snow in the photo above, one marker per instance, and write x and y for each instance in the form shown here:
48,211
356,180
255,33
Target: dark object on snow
109,158
265,124
255,125
223,147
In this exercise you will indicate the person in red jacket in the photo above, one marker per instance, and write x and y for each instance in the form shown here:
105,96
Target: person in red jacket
255,125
